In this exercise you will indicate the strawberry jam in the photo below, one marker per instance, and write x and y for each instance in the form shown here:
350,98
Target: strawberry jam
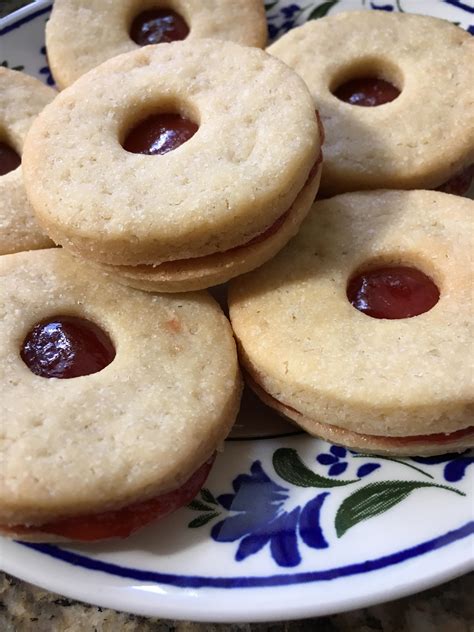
157,26
392,292
121,523
66,347
9,159
159,134
367,92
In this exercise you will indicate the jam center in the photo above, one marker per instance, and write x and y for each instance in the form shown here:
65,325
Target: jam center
159,134
367,91
156,26
9,159
66,347
392,292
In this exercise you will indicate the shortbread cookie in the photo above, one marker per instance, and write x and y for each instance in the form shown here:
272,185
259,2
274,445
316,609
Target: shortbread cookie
82,34
21,99
235,167
391,372
421,138
150,389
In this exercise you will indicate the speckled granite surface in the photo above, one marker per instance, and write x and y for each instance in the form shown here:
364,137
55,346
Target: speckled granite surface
24,608
449,608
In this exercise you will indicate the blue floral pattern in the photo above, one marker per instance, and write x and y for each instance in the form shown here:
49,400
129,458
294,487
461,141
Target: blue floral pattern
259,512
282,16
456,465
45,71
335,459
259,519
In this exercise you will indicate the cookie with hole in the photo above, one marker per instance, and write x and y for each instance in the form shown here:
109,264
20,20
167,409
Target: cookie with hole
21,100
197,161
114,401
81,35
395,93
360,330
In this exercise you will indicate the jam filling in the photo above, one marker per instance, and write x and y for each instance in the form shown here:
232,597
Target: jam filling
460,183
158,134
367,92
9,159
436,438
392,292
157,26
122,522
271,230
66,347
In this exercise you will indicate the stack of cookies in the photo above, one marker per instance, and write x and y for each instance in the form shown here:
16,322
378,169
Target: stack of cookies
180,155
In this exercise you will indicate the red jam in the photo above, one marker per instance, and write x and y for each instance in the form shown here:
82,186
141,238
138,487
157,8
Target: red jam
159,134
66,347
392,292
367,91
9,159
122,522
460,183
157,26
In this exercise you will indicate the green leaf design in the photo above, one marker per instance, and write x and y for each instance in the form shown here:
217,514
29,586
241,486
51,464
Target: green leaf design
322,9
207,496
197,505
291,468
269,5
203,519
376,498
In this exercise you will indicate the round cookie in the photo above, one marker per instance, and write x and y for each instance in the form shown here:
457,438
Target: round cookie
81,35
21,99
136,430
398,386
218,205
419,140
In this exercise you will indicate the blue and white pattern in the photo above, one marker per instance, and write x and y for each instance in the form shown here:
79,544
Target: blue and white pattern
287,526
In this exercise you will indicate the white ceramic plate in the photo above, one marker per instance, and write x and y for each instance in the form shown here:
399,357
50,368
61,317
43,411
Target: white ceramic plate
262,543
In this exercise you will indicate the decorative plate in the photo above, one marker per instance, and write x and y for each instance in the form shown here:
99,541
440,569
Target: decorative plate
288,526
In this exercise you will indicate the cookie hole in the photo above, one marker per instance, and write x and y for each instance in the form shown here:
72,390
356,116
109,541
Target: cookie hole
65,347
9,158
157,134
392,291
157,26
367,83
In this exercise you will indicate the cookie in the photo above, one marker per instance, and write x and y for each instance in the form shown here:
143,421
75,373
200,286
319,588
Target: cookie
21,99
83,34
187,164
422,71
360,330
146,389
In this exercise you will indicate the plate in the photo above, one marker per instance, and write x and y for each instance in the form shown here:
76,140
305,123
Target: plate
288,526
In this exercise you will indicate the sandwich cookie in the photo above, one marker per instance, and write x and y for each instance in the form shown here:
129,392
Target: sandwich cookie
360,330
83,34
396,97
177,166
21,99
113,403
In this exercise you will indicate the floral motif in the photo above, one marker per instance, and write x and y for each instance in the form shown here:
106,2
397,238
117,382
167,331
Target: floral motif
5,64
45,70
456,464
257,513
338,465
259,519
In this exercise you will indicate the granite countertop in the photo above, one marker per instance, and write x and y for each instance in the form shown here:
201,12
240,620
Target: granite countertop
448,608
25,608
